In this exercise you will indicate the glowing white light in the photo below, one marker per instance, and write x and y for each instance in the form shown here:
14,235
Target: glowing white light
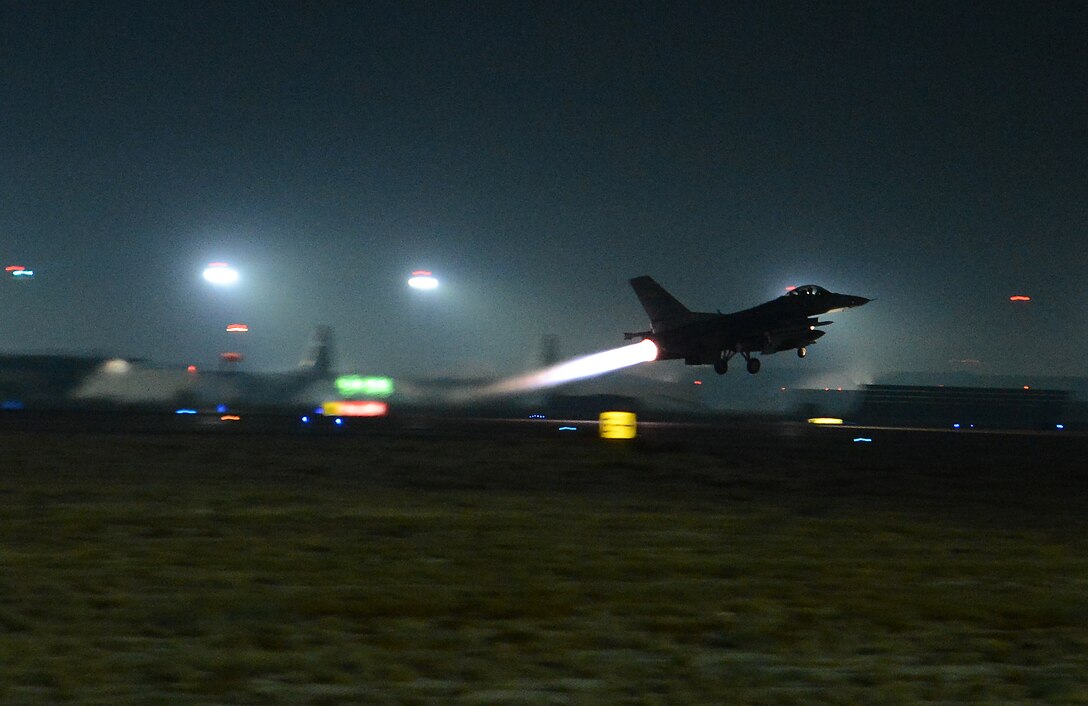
221,273
576,369
423,282
116,366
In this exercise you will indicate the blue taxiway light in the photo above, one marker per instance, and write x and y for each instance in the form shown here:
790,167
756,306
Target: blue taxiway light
956,425
863,440
185,411
11,404
339,421
1059,426
568,428
305,419
221,409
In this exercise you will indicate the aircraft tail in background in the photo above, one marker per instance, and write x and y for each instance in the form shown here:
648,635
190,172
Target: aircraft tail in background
318,360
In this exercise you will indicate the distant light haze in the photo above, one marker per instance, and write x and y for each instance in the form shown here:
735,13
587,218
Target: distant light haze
535,157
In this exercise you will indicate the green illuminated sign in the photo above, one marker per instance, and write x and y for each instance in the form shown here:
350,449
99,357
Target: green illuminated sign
363,386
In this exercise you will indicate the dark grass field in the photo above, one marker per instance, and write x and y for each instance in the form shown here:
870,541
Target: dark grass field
758,565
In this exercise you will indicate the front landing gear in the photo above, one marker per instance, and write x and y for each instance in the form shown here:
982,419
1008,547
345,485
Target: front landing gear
753,365
802,352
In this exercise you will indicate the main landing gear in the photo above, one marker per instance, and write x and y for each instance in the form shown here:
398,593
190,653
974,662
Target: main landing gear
721,365
802,352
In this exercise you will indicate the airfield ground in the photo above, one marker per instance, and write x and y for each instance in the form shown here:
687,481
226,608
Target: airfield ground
757,565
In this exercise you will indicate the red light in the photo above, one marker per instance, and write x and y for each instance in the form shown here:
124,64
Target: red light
1019,298
1027,387
14,268
230,357
218,264
698,382
355,408
791,288
191,369
237,328
421,273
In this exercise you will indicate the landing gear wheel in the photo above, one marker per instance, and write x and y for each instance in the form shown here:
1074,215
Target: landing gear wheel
753,365
802,352
721,366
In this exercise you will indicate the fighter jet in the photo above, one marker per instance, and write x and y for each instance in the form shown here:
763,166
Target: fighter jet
702,338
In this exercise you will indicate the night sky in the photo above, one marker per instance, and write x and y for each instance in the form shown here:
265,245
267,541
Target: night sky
930,155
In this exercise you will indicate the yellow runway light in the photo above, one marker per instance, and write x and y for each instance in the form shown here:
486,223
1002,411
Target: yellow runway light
617,425
825,420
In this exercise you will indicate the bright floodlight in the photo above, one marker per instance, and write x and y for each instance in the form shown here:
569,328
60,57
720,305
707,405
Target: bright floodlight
422,279
220,273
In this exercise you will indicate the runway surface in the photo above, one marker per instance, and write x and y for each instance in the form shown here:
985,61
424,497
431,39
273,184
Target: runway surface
770,437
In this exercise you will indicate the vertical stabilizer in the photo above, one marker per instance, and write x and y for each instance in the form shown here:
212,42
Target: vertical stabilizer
318,359
549,350
664,310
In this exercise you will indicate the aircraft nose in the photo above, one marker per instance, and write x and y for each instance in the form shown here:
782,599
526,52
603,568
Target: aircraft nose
858,301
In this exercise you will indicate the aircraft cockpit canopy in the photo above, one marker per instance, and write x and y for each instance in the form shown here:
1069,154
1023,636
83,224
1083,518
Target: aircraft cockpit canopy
807,290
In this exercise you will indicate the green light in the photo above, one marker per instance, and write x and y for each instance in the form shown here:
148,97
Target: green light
362,386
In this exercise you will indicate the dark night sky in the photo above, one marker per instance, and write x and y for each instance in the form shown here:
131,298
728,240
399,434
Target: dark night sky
931,155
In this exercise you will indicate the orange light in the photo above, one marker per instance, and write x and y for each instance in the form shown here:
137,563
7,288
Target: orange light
1027,387
237,328
14,268
230,418
1019,298
191,369
230,357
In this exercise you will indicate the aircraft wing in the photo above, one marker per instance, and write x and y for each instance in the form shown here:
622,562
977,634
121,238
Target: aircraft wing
703,341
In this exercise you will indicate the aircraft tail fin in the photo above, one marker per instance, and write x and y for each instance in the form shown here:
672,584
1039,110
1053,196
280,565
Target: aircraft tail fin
664,310
318,358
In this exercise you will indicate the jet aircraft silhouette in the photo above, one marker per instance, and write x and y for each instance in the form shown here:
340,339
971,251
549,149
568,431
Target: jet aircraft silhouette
702,338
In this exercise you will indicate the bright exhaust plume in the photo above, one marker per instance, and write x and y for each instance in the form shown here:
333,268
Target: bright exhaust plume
576,369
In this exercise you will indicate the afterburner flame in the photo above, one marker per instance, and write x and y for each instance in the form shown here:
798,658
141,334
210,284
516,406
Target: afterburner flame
575,369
